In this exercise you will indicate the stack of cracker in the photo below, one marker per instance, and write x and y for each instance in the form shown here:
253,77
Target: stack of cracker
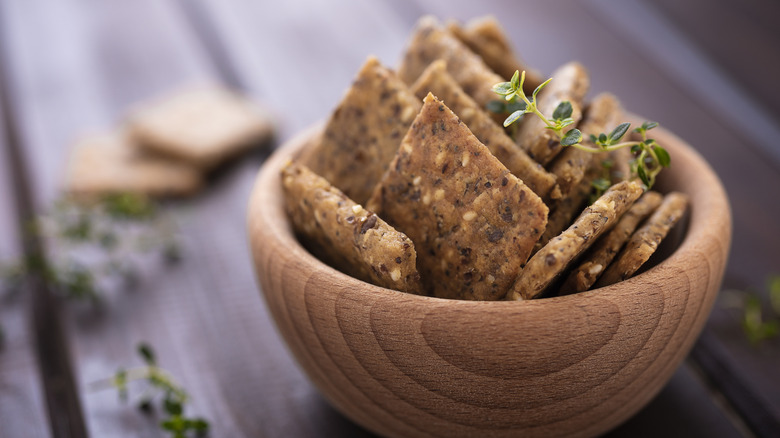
168,145
415,187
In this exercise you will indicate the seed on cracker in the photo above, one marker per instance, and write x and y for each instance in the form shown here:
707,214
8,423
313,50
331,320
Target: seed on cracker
364,132
570,83
472,221
103,164
645,240
202,125
607,247
602,115
563,211
485,37
347,235
550,261
437,80
430,42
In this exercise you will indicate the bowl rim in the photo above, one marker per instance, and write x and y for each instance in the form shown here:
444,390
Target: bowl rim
708,211
289,277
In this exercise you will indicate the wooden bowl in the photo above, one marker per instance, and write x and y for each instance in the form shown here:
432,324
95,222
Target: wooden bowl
405,365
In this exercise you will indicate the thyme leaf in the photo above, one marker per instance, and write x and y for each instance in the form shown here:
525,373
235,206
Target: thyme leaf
649,158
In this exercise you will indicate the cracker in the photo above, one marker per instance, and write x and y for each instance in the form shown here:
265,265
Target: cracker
570,82
485,37
203,125
621,164
549,262
569,167
606,248
430,42
563,211
473,222
364,132
347,235
103,164
436,80
645,240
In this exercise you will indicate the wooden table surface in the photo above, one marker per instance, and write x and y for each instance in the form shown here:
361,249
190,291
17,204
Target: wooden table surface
705,70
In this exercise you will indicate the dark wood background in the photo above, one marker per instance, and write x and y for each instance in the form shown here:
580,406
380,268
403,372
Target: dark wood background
706,70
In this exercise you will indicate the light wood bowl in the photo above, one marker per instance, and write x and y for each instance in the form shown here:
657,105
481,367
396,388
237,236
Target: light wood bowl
579,365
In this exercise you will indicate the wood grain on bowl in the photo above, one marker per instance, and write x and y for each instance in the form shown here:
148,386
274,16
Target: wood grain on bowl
578,365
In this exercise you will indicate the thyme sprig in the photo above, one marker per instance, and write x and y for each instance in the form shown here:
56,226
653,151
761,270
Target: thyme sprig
758,322
649,156
161,386
91,244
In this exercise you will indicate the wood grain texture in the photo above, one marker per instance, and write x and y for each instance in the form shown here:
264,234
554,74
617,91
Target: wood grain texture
579,365
22,404
77,64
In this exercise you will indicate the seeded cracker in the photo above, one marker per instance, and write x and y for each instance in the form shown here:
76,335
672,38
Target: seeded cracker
472,221
436,80
108,164
552,260
570,82
487,38
364,132
607,247
347,235
431,42
602,115
563,211
645,240
203,125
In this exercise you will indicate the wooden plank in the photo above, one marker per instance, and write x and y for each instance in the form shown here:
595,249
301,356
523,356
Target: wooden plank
47,339
51,87
682,408
725,376
99,351
204,317
304,77
22,408
720,133
739,38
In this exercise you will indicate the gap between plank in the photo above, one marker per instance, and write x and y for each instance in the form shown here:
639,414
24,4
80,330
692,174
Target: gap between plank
205,32
719,374
686,65
51,347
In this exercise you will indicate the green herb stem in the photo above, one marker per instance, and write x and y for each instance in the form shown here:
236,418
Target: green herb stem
561,118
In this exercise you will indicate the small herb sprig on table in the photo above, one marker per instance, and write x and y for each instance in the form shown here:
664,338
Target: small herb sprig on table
649,159
90,242
758,325
161,386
